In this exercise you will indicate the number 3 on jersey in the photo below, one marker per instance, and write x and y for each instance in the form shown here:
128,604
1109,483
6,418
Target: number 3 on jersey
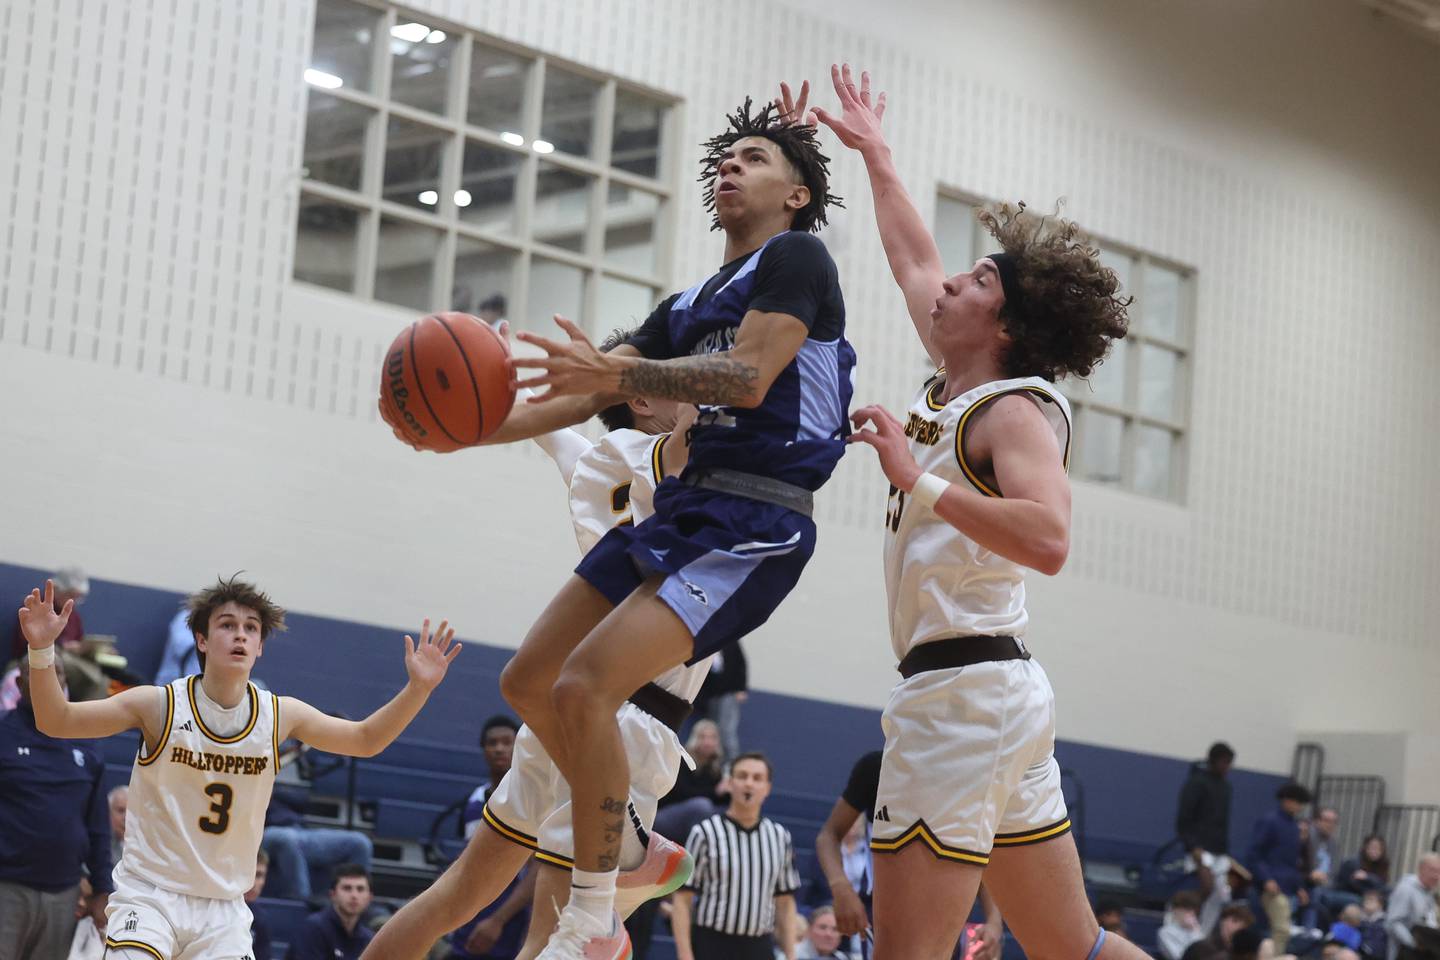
221,796
894,507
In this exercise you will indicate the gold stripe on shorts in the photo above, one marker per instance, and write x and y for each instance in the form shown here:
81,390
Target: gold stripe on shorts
1033,836
921,831
507,831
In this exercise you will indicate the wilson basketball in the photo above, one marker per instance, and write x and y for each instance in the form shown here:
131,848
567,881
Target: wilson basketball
446,382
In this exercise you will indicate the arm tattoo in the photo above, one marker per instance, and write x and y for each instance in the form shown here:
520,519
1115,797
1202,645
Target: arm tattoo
714,378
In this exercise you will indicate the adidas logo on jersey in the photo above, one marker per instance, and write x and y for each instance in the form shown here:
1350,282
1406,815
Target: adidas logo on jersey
883,813
186,727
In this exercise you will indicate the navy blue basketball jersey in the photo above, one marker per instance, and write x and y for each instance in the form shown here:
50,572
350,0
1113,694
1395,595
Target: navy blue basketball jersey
798,433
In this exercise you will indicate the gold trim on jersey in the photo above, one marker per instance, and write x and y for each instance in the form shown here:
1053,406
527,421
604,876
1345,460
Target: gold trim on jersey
964,425
117,944
1033,836
921,831
140,758
254,714
275,730
937,382
657,460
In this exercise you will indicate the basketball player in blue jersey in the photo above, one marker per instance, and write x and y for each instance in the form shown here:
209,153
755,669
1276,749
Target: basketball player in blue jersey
979,493
760,348
209,752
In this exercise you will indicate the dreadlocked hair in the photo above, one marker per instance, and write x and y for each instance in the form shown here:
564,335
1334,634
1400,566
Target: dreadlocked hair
1071,309
617,416
795,140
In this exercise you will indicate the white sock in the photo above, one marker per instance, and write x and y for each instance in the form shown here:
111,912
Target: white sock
594,894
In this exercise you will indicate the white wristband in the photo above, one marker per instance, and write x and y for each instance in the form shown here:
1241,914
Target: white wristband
928,490
42,657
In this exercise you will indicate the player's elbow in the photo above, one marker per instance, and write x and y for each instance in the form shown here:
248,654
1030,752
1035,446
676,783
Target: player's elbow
1050,555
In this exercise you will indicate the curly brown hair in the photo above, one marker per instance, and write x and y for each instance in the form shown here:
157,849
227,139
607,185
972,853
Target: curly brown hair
203,605
1071,308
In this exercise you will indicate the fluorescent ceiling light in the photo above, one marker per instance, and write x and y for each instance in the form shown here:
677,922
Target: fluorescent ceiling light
411,32
462,198
514,139
319,78
543,146
435,36
429,197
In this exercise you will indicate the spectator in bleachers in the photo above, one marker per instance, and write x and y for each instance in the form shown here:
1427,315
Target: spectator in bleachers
1411,919
297,850
1374,942
1234,917
1275,858
726,688
336,933
53,824
1246,945
259,929
118,801
1181,927
181,657
1346,928
1325,865
86,682
1370,871
1111,917
1202,819
498,931
822,939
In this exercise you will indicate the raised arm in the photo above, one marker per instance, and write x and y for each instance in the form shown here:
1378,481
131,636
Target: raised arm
909,247
849,910
425,662
740,377
139,708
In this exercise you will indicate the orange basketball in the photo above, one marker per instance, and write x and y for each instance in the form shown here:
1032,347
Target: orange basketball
446,382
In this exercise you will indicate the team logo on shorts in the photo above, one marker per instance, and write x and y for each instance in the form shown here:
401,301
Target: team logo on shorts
79,757
695,592
132,920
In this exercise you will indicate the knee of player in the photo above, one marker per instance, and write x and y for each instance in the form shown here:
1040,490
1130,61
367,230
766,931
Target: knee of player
521,690
576,695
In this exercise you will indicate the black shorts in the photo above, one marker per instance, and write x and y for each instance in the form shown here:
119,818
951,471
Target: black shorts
713,945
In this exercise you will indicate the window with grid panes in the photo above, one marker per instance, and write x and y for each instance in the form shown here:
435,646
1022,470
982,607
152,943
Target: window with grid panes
444,169
1131,413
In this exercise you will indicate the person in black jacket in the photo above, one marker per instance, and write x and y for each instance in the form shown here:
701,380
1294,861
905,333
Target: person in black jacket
259,929
1203,818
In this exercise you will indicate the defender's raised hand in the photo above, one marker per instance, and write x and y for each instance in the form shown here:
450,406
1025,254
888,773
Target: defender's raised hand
38,619
858,125
427,661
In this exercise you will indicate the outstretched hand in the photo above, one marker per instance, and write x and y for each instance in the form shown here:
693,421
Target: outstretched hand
427,661
887,436
793,110
573,368
858,125
38,619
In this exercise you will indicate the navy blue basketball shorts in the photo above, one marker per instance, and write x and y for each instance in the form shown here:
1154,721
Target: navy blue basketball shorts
727,561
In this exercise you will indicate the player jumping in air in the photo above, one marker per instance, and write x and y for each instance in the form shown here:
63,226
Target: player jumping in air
760,348
206,766
979,492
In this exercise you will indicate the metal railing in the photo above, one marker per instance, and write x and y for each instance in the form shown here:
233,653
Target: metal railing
1405,827
1358,800
1308,766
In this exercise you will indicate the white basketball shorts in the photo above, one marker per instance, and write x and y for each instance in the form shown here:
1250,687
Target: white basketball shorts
159,923
969,762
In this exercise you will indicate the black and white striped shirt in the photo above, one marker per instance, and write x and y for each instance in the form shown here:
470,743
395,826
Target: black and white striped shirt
738,874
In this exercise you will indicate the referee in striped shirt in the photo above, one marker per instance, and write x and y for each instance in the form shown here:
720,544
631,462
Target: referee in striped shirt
745,879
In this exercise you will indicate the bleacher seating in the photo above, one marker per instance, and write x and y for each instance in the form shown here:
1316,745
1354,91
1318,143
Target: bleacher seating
1126,814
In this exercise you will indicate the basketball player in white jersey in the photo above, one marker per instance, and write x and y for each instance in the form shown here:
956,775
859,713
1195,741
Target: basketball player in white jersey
206,765
610,482
978,494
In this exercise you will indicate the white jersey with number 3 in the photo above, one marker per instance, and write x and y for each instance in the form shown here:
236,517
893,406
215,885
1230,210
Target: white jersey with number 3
197,801
939,582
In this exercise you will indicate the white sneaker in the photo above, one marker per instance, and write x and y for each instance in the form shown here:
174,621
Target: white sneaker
579,936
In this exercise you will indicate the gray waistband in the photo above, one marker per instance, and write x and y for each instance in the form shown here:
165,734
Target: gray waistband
766,489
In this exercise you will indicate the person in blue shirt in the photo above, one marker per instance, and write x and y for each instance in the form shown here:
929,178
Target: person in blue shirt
1274,859
54,822
336,932
760,348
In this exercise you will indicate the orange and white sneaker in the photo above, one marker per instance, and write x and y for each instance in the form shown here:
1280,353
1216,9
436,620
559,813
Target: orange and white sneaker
665,869
579,936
